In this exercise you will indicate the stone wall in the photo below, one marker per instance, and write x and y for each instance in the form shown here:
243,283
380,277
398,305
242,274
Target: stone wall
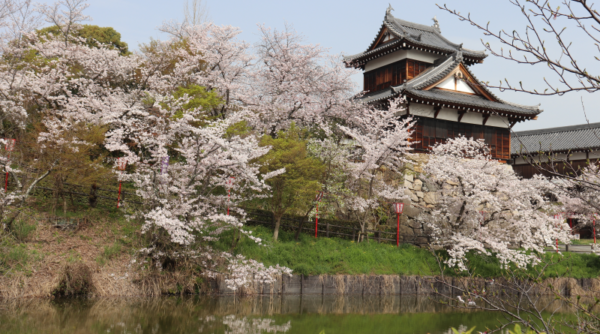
422,195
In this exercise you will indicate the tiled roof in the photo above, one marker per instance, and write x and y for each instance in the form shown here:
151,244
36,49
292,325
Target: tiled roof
470,100
416,34
438,72
565,138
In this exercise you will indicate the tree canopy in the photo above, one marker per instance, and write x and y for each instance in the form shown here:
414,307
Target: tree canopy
94,36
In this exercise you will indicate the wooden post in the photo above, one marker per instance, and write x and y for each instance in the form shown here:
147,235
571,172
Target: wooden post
379,236
353,232
327,227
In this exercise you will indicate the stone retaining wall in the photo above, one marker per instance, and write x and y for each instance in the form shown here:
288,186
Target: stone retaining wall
396,285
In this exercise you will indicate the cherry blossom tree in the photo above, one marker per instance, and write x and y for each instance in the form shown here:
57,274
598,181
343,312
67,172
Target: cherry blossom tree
485,207
380,141
295,82
180,159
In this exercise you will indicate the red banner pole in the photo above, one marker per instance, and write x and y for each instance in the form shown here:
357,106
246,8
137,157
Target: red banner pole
317,220
119,196
398,231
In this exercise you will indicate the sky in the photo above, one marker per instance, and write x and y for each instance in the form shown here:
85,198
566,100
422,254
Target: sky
348,27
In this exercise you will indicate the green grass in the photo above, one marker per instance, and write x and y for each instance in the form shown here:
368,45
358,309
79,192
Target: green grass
21,230
338,256
582,242
332,255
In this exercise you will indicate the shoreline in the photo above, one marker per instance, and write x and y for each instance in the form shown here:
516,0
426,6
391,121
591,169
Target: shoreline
331,285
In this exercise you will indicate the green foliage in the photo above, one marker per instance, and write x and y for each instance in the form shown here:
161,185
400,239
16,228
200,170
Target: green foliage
241,129
92,35
199,98
293,191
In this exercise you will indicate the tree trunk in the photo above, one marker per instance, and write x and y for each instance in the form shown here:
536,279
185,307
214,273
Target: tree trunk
236,238
277,222
301,223
93,198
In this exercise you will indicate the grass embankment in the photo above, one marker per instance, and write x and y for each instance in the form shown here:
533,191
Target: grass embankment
33,259
310,256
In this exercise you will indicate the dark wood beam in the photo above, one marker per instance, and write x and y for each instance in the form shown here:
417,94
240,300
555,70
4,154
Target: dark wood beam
485,118
461,114
407,108
437,111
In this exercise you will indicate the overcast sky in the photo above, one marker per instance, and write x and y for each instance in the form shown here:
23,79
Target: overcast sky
348,27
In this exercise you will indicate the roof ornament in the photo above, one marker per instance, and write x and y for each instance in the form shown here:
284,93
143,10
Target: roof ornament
389,10
460,47
436,23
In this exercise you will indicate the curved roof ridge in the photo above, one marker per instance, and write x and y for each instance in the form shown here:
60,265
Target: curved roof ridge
413,25
433,30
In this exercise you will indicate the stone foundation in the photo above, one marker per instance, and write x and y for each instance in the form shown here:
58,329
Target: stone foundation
373,285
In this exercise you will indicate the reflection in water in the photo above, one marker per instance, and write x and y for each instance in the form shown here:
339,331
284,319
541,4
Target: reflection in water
280,314
253,326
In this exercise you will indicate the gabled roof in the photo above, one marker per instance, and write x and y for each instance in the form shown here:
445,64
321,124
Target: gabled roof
419,88
561,139
410,35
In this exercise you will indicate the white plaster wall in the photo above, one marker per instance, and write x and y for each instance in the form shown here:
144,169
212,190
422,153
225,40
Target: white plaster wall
420,109
448,114
594,154
577,156
497,121
472,118
461,86
399,55
447,84
520,161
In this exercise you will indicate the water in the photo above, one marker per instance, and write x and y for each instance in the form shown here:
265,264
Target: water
287,314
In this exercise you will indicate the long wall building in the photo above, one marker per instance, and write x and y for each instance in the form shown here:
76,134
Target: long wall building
561,150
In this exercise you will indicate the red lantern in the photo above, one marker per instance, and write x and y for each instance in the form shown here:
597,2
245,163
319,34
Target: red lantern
398,207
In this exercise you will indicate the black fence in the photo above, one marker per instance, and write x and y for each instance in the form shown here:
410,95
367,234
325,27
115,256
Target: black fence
332,228
92,196
329,228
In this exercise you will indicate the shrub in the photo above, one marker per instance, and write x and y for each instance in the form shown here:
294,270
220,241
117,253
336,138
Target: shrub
75,279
